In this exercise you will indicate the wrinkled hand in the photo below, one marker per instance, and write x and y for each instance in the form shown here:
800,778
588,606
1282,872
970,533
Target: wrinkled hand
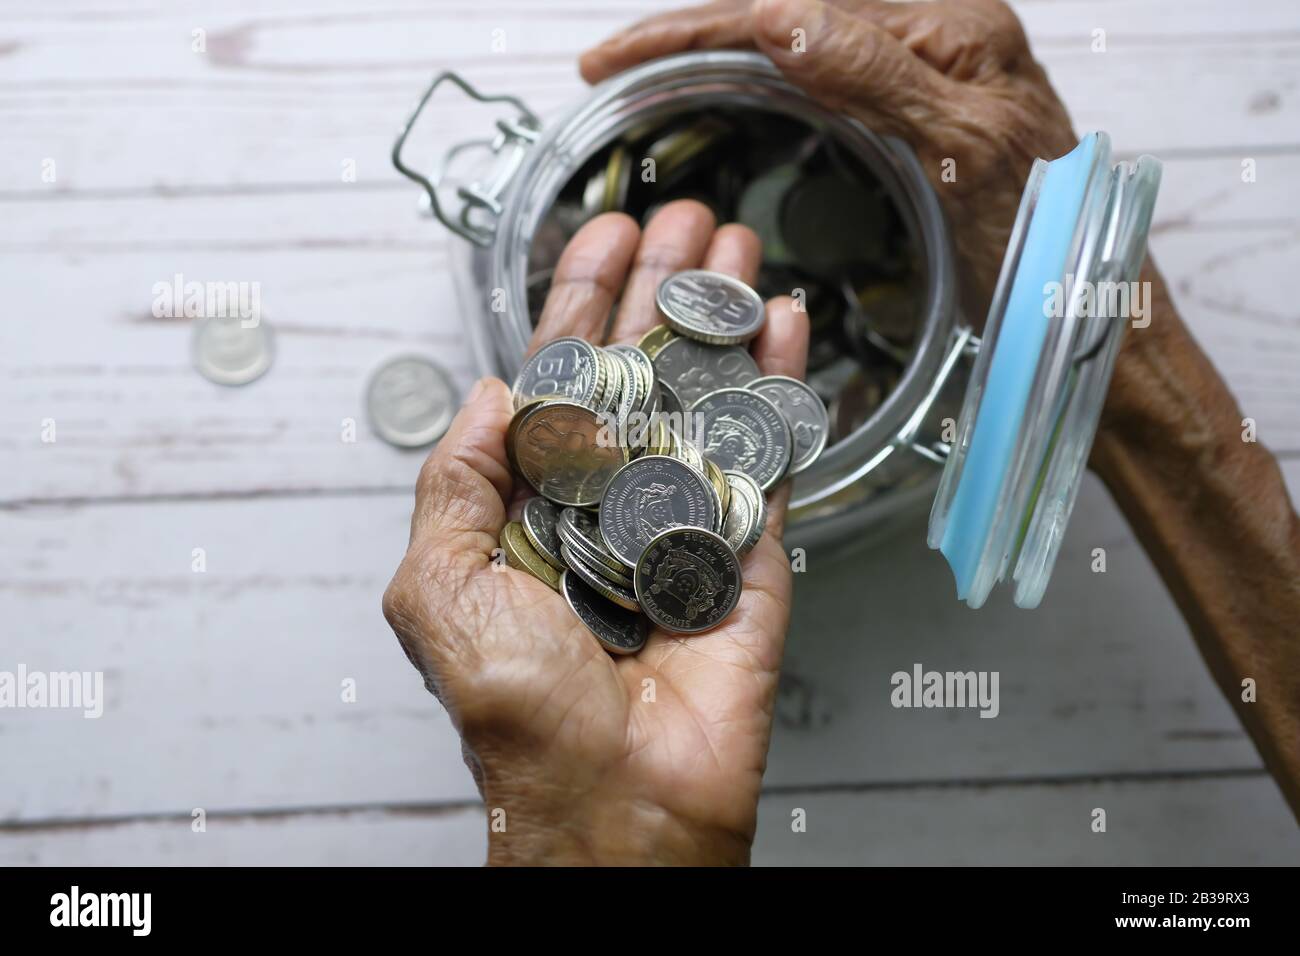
594,759
953,78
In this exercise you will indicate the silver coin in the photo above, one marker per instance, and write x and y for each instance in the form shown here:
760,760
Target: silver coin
649,496
644,368
619,631
810,424
573,558
578,529
410,401
745,432
710,307
747,515
688,580
560,449
693,369
620,594
567,368
228,352
539,519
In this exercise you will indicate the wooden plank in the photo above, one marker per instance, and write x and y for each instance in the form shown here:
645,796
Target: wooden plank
287,97
1193,822
223,688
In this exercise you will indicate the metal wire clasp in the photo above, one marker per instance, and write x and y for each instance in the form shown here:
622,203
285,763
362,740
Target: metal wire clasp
513,138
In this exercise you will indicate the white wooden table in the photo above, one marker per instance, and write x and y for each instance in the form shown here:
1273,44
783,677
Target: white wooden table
223,688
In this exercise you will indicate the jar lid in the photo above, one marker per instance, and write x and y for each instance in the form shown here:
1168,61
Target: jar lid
1066,291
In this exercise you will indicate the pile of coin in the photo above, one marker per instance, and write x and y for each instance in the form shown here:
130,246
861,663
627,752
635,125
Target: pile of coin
651,463
827,227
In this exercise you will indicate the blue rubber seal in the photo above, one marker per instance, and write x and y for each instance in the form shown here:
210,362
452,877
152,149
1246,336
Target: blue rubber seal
1015,361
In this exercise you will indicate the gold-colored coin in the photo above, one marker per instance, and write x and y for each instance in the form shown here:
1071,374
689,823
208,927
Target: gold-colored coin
719,482
655,339
522,556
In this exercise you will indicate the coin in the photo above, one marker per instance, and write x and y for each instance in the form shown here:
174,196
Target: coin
745,432
410,401
567,368
760,207
710,307
619,631
621,595
747,517
808,419
832,223
573,558
578,529
644,368
558,448
227,351
521,556
693,369
651,495
688,580
655,339
539,518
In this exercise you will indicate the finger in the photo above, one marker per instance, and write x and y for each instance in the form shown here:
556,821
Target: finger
710,26
735,250
851,63
587,279
463,486
782,349
675,239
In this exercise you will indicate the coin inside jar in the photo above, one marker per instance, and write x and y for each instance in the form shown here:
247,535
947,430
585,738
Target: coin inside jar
560,450
619,630
648,496
688,580
710,307
804,411
744,431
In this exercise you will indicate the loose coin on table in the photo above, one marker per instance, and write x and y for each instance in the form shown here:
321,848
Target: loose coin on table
693,369
688,580
710,307
556,446
744,431
521,556
651,495
539,520
410,402
228,351
619,631
568,368
804,411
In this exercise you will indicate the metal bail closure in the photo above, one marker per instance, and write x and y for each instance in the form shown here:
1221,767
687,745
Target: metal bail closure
481,197
1067,289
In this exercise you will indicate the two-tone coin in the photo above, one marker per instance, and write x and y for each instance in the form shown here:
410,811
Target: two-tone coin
410,402
744,431
655,339
810,423
230,351
619,630
566,368
649,496
539,519
562,450
710,307
693,369
747,515
521,555
688,580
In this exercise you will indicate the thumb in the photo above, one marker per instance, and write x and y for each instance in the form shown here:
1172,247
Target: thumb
849,63
465,482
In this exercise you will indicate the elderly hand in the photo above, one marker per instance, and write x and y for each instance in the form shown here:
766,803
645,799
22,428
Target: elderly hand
655,758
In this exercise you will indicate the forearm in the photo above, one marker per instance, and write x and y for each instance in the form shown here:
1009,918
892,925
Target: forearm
1214,515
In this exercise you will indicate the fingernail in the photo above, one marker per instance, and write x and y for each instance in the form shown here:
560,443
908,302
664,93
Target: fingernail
477,391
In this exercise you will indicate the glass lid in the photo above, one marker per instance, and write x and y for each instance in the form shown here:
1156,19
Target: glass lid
1066,292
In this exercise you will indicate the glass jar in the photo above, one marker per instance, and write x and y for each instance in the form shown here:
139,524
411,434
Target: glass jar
496,191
